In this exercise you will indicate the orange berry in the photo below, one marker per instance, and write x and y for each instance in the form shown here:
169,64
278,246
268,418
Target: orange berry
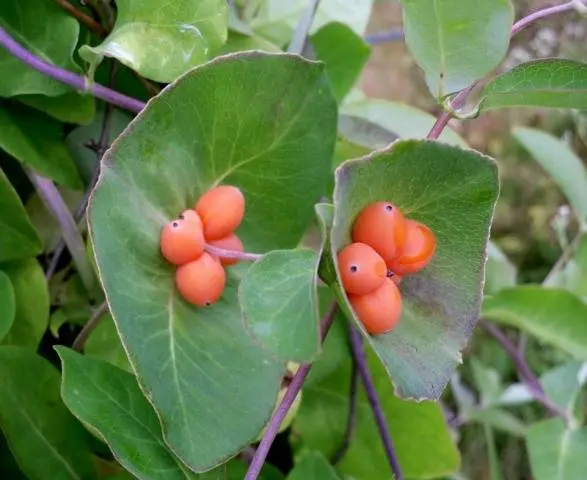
201,282
361,268
182,241
222,210
191,216
418,250
231,242
380,310
381,226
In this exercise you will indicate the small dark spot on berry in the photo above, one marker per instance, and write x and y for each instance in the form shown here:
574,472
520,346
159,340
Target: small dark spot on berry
175,224
388,207
354,268
208,304
182,217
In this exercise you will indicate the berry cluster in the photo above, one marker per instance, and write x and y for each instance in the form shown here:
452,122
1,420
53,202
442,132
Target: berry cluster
386,247
200,277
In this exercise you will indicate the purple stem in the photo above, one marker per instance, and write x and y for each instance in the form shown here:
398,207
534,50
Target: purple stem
520,25
54,202
387,36
223,253
292,391
525,373
68,78
351,422
361,360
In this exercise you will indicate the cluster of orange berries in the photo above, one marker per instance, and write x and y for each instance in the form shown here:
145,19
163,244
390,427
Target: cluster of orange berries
386,247
200,277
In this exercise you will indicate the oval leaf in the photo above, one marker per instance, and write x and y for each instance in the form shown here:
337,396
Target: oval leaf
453,191
31,295
572,274
313,466
162,41
560,163
7,305
43,436
556,317
457,42
54,39
105,345
272,134
280,303
552,82
500,272
109,400
18,237
69,108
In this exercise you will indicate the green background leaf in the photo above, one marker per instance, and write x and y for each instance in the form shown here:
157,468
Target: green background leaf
69,108
557,451
265,123
110,402
453,191
32,302
554,316
18,237
44,28
313,466
7,305
161,41
280,304
564,166
45,439
551,82
457,42
572,274
499,271
37,141
105,344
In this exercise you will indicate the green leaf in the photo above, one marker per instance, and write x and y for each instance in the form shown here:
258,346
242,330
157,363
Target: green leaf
440,186
557,451
104,344
277,20
44,28
7,305
494,463
403,120
563,386
162,41
457,42
415,428
560,163
551,82
313,466
37,141
487,381
32,302
18,237
345,54
498,419
239,42
555,317
69,108
499,272
280,304
271,134
43,436
8,466
109,401
572,274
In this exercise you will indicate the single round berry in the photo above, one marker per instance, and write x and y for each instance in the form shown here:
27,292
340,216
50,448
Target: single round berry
201,282
232,243
191,216
182,241
222,210
381,226
361,268
380,310
417,252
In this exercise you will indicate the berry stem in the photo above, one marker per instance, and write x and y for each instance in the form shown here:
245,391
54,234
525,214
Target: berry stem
223,253
363,368
292,391
461,97
91,324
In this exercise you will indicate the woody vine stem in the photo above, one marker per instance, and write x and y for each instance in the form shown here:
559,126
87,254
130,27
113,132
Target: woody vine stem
110,96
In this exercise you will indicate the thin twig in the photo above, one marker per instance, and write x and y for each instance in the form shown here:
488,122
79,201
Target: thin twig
68,78
84,19
461,97
525,373
359,355
291,393
91,324
223,253
351,421
54,202
300,36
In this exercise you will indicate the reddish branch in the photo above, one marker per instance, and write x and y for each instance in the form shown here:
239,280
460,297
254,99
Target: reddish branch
84,19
